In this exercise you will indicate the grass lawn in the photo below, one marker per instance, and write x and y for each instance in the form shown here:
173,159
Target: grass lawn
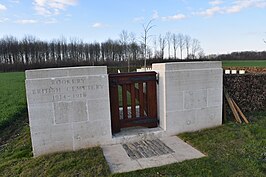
16,157
231,149
12,96
244,63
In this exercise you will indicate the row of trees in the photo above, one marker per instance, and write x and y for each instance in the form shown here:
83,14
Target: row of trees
177,43
30,50
245,55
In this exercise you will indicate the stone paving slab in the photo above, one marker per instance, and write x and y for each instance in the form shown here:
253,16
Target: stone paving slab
146,149
119,160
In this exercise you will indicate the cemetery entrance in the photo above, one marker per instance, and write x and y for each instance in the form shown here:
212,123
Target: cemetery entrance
133,100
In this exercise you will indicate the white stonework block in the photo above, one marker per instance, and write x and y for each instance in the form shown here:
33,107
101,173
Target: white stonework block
66,104
189,95
96,107
64,72
185,80
175,101
67,89
209,117
63,132
52,147
87,71
215,97
87,134
195,99
181,121
41,115
48,138
68,112
191,65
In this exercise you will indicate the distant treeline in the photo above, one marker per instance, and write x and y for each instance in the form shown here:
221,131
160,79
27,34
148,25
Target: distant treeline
30,52
247,55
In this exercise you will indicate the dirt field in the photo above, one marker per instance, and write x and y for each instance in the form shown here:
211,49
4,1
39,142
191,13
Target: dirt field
247,69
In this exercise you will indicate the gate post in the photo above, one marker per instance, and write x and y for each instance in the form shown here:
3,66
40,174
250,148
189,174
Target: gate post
114,104
190,95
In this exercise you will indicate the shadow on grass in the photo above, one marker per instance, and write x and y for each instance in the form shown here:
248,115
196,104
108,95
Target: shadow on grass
16,158
12,126
232,150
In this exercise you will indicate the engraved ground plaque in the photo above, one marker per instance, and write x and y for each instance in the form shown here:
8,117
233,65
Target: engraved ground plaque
146,149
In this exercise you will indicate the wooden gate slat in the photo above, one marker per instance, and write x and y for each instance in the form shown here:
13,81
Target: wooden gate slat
141,100
151,99
133,101
144,93
124,101
114,101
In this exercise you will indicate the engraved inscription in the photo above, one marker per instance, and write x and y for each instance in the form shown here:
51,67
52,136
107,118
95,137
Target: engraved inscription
46,90
61,97
68,81
67,89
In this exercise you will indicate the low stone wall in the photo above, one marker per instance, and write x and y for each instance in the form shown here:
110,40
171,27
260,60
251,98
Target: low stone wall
68,108
189,95
248,90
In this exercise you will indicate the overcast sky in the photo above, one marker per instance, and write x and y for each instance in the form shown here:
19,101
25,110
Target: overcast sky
222,26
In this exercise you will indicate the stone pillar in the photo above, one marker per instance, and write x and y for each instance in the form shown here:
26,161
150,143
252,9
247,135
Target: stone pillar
69,108
189,95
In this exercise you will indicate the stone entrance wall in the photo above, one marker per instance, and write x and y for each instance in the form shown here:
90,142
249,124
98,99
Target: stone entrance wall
189,95
68,108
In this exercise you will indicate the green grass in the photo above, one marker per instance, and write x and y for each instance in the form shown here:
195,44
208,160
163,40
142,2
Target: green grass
244,63
16,157
231,149
12,96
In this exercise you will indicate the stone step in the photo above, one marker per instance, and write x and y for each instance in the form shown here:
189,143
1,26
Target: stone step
134,134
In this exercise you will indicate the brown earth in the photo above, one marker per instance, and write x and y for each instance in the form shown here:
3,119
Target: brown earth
247,69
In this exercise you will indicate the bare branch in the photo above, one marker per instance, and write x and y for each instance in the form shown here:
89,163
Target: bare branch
145,37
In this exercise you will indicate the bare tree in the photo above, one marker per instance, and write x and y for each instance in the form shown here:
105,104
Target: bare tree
162,44
132,37
124,36
168,38
145,37
187,40
175,44
195,47
181,44
133,46
201,54
154,41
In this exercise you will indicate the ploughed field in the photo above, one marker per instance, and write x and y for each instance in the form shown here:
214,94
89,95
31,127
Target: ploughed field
250,66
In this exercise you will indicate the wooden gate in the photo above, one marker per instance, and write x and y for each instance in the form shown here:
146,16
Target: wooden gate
133,100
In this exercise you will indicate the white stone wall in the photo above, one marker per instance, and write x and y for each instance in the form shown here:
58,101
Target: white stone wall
189,95
69,108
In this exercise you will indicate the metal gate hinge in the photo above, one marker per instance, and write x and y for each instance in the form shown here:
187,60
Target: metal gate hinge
157,78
